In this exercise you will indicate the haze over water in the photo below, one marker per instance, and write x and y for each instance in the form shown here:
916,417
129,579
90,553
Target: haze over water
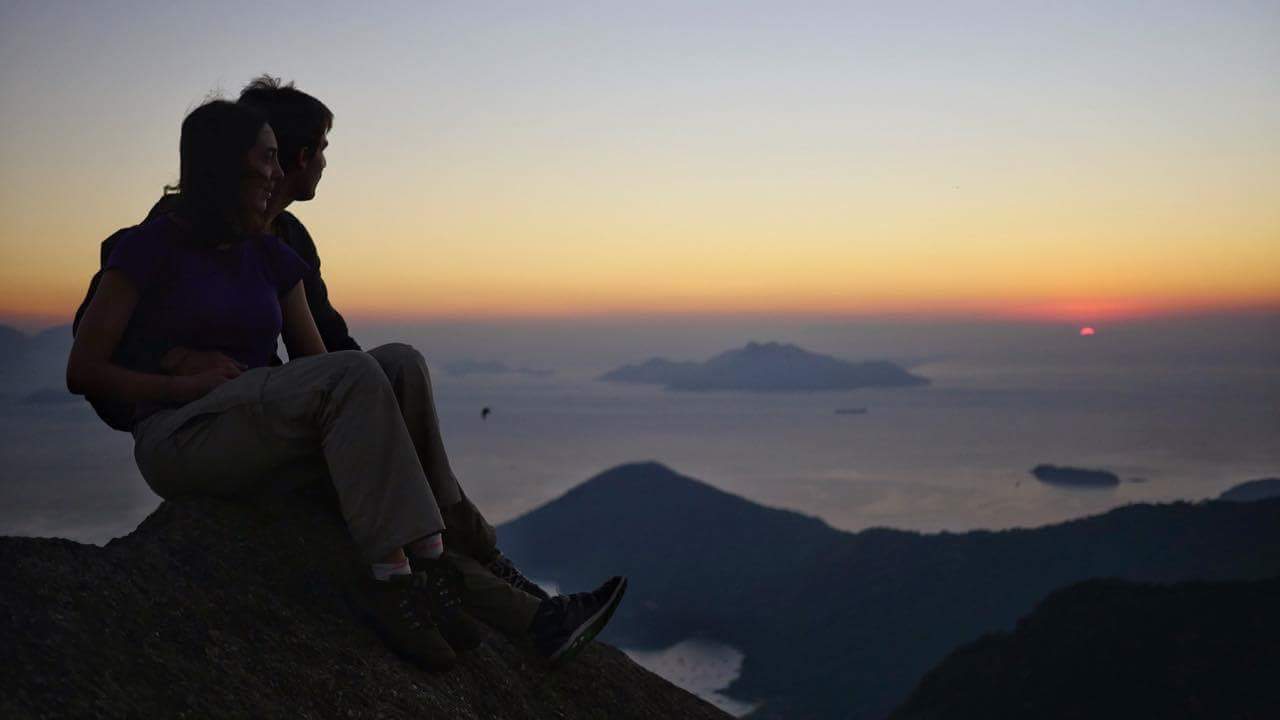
1187,407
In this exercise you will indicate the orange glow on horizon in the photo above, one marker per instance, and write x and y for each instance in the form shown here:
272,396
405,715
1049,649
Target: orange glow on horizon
50,307
1048,312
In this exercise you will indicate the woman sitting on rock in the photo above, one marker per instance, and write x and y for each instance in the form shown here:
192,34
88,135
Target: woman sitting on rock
207,276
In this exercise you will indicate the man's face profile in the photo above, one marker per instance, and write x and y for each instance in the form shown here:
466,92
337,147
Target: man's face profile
311,170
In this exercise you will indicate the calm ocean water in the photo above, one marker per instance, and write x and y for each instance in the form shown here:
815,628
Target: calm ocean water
951,456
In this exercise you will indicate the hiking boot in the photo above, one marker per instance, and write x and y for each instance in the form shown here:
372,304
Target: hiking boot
502,567
404,623
441,586
565,624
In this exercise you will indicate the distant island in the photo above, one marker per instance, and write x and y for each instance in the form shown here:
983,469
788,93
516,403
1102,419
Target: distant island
1253,490
489,367
1075,477
765,367
851,411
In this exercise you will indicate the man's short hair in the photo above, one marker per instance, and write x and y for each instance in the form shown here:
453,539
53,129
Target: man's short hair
298,119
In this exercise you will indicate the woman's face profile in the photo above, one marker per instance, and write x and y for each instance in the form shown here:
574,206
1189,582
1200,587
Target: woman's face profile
262,173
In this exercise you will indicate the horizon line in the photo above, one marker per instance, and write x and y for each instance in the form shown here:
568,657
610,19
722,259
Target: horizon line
1037,314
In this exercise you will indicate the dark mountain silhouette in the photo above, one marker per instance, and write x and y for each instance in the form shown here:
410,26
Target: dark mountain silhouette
1108,648
1260,489
1075,477
12,344
30,362
765,367
837,624
211,609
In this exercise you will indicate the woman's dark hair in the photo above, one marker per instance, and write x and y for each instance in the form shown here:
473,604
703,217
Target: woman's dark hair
215,139
300,120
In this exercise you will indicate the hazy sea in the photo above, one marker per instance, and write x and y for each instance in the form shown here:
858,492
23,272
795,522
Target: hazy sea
954,455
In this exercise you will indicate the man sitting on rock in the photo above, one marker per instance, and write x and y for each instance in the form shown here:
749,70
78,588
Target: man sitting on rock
493,588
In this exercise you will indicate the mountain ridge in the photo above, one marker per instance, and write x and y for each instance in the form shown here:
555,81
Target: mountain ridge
839,624
1119,649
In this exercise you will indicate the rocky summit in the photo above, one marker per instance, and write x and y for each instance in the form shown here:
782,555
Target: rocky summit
215,609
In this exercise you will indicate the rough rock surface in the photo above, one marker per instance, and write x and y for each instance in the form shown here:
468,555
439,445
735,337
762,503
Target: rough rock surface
214,609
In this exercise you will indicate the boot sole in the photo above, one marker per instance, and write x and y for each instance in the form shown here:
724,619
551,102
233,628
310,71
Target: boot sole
588,630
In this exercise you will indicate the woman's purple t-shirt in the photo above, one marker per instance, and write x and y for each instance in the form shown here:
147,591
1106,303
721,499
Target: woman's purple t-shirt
205,298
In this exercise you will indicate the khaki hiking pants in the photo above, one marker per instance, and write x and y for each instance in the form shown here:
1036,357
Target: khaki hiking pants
466,529
372,417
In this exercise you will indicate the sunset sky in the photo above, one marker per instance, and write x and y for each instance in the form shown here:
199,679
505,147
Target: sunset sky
1075,161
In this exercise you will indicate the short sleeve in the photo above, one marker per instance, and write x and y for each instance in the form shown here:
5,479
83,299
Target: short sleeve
284,268
142,255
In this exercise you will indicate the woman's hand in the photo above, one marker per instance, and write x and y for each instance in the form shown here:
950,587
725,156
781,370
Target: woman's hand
182,361
185,388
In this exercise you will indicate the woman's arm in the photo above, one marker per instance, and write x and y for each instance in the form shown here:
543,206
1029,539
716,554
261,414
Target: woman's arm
90,370
300,333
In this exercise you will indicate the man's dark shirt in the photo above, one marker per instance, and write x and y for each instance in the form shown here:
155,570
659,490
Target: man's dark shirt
144,354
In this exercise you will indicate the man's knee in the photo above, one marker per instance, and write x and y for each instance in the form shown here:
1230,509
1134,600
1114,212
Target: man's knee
354,364
395,358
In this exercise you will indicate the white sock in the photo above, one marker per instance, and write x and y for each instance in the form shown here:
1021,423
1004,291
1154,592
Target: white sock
430,547
384,571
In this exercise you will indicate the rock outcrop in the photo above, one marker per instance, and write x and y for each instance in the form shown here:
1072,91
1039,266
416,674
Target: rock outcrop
214,609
